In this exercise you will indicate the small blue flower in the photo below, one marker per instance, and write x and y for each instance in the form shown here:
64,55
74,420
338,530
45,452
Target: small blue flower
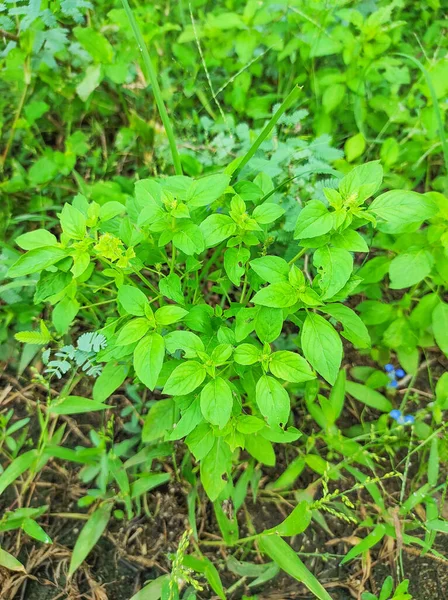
389,368
400,373
393,383
401,419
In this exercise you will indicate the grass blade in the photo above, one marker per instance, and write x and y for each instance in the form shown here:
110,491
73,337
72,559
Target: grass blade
155,86
89,536
287,103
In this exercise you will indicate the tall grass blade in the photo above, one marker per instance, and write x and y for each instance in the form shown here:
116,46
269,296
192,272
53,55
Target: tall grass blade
287,103
151,73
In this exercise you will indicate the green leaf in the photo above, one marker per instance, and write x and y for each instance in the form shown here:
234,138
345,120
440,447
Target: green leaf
148,359
272,269
188,238
410,268
354,147
186,341
206,190
185,378
132,300
368,542
335,266
171,287
36,260
269,323
401,209
362,182
217,402
350,240
39,338
75,405
314,220
337,394
159,420
111,209
322,346
18,466
354,329
276,295
368,396
73,222
214,466
290,366
295,523
111,378
133,331
440,326
152,591
268,212
95,43
285,557
234,262
147,482
261,449
166,315
36,239
217,228
35,531
89,536
8,561
272,400
200,441
64,313
247,354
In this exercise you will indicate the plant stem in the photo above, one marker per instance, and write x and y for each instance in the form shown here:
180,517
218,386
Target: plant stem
155,86
297,256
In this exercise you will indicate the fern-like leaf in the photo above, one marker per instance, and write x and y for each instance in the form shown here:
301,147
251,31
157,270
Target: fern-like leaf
38,338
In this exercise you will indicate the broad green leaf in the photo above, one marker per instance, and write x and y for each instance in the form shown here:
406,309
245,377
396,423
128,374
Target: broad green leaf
272,400
133,331
334,266
8,561
36,239
206,190
214,466
148,359
350,240
314,220
95,43
234,263
217,228
36,260
200,441
188,238
268,323
290,366
247,354
354,147
272,269
285,557
217,402
410,268
64,313
73,222
132,300
362,182
50,286
322,346
354,329
17,467
171,287
89,536
111,209
401,209
75,405
152,591
111,378
185,379
159,420
368,396
166,315
268,212
261,449
276,295
440,326
368,542
295,523
186,341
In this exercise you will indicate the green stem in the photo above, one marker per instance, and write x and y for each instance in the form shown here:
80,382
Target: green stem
297,256
155,86
287,103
